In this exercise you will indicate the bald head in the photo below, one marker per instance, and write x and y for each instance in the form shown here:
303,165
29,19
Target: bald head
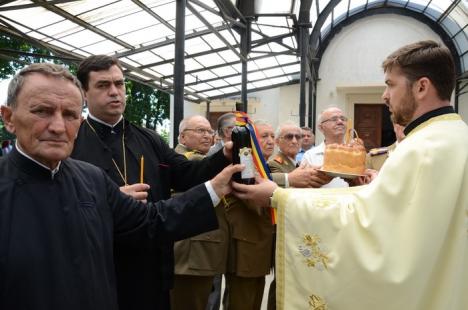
195,133
332,123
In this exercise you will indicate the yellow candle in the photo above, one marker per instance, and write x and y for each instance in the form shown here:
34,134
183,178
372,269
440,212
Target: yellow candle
142,167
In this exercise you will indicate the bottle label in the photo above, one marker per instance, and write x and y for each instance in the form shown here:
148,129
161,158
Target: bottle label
245,157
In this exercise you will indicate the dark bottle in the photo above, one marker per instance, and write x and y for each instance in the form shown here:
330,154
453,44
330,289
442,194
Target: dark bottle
242,154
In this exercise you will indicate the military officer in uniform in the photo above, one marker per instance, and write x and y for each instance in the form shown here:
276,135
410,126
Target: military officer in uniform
376,157
288,137
198,259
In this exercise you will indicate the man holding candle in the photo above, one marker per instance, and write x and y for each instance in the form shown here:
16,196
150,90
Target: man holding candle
107,140
59,217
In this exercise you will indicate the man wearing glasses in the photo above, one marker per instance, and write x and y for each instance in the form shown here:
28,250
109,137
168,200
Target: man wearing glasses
195,137
288,138
200,258
332,123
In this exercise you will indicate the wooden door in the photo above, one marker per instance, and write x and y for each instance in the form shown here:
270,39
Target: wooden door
368,124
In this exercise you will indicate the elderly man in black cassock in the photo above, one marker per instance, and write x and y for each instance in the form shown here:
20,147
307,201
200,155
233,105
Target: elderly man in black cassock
59,216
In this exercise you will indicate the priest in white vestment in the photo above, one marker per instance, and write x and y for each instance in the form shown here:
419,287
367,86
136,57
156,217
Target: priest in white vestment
400,242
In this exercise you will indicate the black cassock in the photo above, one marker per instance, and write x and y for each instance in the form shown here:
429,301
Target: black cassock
144,274
57,233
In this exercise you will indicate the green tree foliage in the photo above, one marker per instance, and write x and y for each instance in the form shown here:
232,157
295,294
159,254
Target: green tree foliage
146,106
21,53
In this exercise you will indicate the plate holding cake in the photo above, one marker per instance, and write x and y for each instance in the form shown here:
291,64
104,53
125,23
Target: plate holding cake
347,160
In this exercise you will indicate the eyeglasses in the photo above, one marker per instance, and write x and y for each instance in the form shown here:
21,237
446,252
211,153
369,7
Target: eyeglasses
201,131
335,119
291,136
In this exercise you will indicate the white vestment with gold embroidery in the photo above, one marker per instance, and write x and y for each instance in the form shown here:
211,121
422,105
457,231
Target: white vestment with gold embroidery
400,242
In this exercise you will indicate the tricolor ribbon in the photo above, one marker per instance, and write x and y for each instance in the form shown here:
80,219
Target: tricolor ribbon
242,119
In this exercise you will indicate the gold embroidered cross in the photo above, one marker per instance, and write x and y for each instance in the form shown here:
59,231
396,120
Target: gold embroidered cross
317,303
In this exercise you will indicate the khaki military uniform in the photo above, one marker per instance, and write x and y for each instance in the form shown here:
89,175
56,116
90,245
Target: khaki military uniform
281,163
376,157
198,259
250,253
241,249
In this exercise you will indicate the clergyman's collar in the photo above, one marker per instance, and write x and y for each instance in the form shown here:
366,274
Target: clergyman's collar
53,172
104,128
94,118
426,116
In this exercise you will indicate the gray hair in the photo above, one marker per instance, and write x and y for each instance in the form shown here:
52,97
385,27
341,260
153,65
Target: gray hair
280,127
47,69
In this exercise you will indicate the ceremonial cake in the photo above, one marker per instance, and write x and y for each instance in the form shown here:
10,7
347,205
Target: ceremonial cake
345,158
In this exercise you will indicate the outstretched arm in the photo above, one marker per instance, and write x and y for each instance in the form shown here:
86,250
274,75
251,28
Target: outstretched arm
258,194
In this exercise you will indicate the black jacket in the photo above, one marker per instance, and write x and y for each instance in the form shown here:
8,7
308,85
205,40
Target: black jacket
57,233
141,269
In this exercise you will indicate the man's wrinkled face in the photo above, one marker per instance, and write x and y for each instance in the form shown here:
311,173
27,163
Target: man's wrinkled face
399,97
198,135
333,124
46,118
266,138
106,94
289,140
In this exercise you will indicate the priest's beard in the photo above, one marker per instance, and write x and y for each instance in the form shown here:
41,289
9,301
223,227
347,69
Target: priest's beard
404,112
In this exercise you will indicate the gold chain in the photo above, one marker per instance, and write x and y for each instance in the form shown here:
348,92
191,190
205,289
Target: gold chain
124,175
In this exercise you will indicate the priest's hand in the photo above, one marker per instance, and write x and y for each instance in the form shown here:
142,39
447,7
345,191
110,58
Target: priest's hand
222,181
138,191
227,150
308,176
258,194
369,176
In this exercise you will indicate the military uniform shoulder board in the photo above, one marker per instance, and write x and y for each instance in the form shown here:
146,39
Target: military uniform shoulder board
279,159
378,151
189,154
194,155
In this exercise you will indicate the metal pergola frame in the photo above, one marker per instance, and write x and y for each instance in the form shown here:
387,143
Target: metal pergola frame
240,23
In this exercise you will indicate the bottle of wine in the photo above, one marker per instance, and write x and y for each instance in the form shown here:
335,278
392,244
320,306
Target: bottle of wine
242,154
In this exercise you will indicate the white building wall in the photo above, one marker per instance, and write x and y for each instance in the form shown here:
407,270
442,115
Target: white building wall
350,71
274,105
463,106
351,68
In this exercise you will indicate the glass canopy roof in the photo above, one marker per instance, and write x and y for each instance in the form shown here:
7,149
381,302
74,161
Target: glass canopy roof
141,33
